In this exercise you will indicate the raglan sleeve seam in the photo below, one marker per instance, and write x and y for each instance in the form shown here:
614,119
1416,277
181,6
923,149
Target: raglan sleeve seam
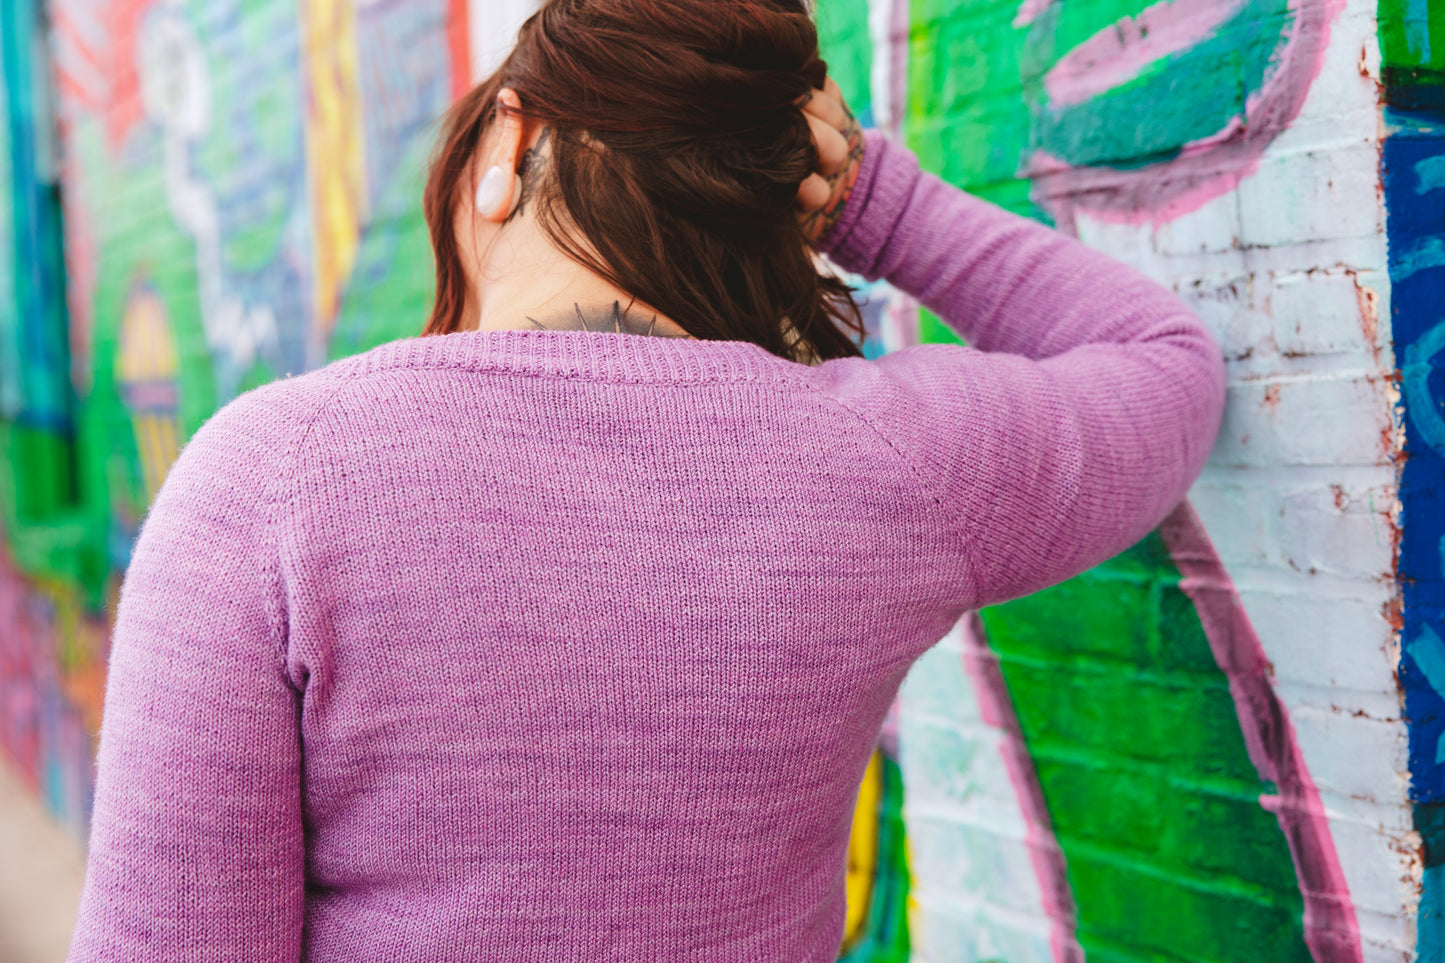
278,505
963,550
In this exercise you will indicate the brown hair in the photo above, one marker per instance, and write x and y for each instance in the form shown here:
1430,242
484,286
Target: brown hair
678,151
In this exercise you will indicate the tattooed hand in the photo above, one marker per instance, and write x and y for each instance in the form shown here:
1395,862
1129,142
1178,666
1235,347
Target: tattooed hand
839,140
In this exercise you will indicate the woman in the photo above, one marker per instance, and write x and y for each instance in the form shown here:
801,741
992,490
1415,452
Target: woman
566,635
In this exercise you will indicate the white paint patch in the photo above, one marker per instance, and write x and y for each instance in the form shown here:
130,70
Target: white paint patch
977,894
493,25
176,93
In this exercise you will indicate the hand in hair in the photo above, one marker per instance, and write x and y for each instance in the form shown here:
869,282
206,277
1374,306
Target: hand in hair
839,140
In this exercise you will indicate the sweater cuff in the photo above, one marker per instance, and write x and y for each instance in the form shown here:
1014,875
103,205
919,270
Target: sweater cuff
885,180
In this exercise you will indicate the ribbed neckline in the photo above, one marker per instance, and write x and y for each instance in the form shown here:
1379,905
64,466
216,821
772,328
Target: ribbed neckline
594,356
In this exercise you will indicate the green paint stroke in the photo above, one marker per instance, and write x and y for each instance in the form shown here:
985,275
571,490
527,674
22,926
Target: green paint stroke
848,48
1412,43
1140,758
966,117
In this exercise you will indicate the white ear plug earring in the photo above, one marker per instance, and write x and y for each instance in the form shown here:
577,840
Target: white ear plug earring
489,191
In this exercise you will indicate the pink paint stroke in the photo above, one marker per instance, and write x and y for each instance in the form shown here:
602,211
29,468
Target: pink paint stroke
901,316
1332,931
1047,858
1206,168
1121,51
900,23
1029,11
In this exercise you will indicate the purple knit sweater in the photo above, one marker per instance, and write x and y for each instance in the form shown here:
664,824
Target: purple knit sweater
566,647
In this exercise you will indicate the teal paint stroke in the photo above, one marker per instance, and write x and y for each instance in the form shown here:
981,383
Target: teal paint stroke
33,319
11,396
1430,175
1431,923
1425,409
1428,253
1184,97
1417,28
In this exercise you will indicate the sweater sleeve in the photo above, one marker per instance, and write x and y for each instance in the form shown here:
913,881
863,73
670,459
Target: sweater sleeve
196,845
1085,407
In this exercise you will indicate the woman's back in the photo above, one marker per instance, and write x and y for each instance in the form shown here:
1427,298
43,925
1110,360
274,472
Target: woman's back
594,641
572,647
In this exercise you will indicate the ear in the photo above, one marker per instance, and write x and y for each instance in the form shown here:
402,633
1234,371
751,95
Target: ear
499,186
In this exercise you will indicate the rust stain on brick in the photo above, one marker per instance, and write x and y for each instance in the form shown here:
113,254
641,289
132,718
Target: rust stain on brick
1368,301
1271,397
1411,846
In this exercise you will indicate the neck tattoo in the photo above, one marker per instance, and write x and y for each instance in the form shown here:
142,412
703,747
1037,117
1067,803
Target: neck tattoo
612,320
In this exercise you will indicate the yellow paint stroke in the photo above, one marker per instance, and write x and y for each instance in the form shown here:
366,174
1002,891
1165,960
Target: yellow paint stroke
156,442
336,168
147,351
146,357
863,851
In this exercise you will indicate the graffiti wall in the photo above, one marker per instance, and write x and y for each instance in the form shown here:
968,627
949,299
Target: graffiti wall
1199,751
1225,745
239,187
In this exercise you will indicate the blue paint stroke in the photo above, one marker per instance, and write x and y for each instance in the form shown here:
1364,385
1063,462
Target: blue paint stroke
1413,153
1428,651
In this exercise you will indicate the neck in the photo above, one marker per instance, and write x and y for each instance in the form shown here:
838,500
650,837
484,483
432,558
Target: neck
563,296
613,318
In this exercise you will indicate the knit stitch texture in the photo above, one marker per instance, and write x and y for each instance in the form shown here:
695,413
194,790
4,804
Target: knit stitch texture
565,647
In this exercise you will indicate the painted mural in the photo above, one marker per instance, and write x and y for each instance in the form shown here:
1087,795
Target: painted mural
239,183
1197,752
1151,761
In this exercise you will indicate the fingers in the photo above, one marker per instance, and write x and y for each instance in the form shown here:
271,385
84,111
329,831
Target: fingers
839,141
832,145
815,193
827,105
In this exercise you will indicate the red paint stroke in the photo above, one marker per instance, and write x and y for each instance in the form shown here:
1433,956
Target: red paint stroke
79,68
125,108
460,45
996,707
1332,932
1203,169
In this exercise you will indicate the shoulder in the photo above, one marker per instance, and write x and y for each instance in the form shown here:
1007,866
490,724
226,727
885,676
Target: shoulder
274,414
245,449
